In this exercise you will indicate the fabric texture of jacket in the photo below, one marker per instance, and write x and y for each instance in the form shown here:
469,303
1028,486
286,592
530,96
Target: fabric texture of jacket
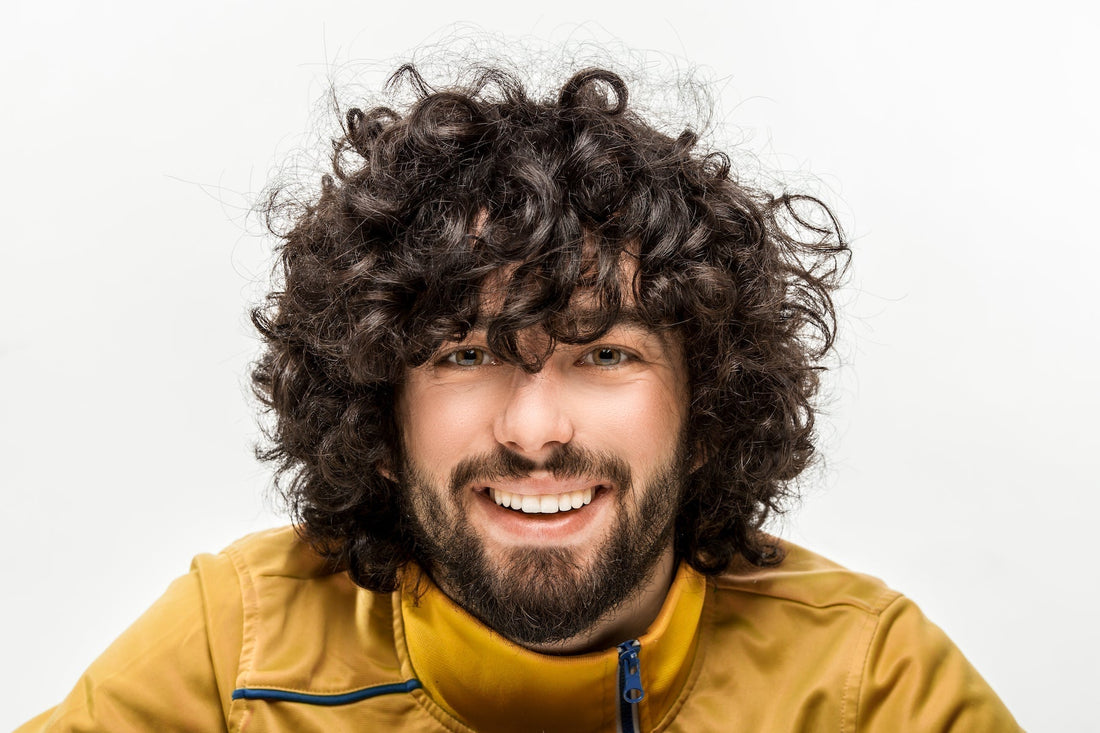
262,637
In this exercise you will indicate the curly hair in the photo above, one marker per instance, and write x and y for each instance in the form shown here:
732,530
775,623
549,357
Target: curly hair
547,198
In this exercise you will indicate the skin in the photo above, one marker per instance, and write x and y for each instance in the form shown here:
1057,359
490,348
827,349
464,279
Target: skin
625,395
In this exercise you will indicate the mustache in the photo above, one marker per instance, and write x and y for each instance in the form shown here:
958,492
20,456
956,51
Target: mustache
567,461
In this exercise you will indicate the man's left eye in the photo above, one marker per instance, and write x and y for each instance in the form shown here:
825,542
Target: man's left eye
605,356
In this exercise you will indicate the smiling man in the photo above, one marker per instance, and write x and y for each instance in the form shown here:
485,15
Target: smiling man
539,373
565,479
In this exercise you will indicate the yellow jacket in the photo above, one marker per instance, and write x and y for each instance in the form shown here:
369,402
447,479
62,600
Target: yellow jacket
263,638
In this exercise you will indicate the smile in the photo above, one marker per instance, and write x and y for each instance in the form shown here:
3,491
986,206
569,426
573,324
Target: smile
542,503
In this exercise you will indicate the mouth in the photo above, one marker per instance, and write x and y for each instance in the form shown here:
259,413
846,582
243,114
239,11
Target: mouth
565,501
542,510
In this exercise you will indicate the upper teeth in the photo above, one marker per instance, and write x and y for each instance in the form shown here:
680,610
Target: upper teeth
543,503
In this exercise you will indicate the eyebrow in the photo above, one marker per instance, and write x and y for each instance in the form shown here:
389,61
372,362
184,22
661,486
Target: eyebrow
627,316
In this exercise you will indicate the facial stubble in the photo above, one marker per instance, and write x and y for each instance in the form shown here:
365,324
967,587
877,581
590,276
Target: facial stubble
537,595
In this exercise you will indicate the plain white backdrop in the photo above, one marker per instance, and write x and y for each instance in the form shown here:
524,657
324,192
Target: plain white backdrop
958,141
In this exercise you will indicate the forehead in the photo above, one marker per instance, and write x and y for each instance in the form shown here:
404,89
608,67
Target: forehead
579,284
583,318
581,321
568,291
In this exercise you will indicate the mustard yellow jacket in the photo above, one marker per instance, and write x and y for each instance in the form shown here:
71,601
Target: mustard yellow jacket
263,638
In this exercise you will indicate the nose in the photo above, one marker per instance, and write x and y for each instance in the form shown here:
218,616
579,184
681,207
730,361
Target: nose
534,420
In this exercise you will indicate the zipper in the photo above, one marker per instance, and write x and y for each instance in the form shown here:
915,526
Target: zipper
630,686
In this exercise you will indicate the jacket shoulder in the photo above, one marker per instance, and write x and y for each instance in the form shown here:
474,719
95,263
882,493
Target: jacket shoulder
843,650
265,613
296,608
188,641
808,579
277,553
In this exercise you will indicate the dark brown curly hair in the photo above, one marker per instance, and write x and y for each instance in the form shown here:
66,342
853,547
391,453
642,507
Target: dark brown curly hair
547,198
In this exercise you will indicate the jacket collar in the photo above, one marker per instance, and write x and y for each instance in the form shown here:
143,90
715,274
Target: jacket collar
490,683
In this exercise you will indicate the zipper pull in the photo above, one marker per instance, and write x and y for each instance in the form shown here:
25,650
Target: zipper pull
630,672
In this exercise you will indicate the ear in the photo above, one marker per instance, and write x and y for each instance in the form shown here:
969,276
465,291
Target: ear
385,471
698,456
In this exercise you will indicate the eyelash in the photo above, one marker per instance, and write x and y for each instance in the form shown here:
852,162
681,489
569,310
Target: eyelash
588,358
452,357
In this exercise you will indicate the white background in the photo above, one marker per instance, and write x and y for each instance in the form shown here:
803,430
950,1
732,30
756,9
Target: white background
957,140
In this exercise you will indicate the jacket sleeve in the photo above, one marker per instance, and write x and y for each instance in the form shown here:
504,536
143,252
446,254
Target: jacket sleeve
172,670
916,679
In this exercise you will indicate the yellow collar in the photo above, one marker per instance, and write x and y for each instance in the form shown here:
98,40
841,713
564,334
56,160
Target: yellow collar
490,683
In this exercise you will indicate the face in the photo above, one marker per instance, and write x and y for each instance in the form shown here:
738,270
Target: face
544,501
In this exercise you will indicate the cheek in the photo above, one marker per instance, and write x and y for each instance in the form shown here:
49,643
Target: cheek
642,420
442,425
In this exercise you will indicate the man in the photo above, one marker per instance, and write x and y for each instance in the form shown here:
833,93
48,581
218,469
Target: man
539,373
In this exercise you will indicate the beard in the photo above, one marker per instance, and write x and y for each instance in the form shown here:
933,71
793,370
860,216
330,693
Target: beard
538,595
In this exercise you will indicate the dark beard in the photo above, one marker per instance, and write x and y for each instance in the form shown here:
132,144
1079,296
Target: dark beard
540,595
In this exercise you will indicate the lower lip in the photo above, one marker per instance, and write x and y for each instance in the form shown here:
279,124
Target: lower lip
555,528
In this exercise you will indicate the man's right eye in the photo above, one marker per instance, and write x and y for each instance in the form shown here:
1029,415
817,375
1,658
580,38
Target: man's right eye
469,357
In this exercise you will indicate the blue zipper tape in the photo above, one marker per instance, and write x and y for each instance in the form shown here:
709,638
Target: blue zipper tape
344,698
